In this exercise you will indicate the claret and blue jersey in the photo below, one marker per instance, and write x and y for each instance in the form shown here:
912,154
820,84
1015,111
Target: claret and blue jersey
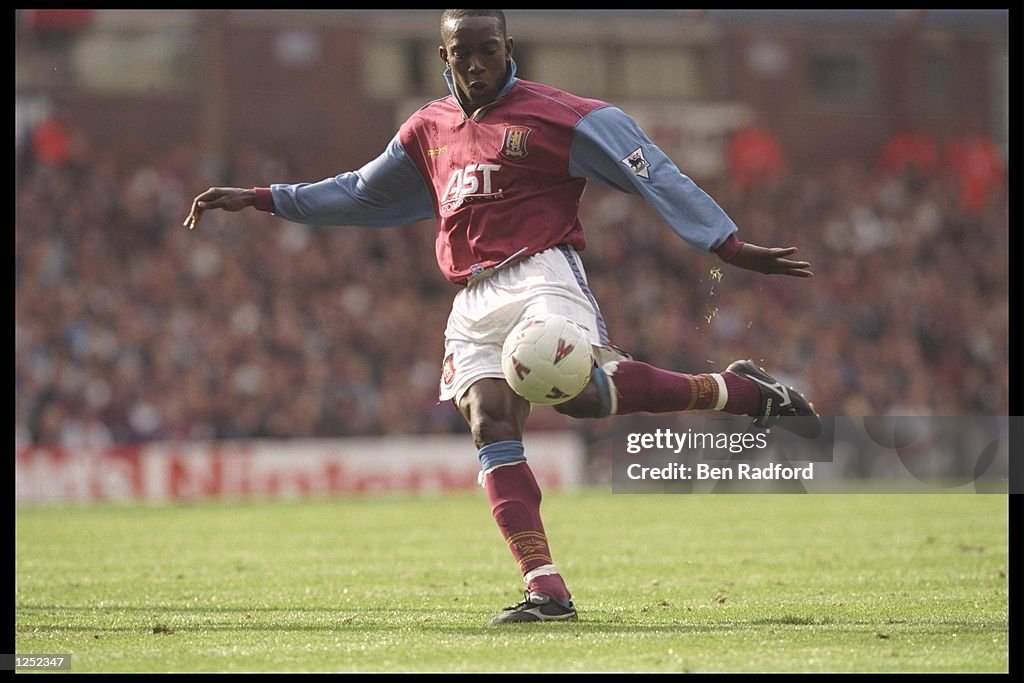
507,179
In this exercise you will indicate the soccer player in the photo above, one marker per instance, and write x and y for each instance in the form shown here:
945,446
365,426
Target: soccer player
501,164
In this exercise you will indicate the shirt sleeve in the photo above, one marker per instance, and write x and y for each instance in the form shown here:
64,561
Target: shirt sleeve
388,191
610,147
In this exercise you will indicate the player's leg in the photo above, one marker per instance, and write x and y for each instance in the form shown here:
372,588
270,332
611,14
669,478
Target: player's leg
627,386
496,416
622,386
482,316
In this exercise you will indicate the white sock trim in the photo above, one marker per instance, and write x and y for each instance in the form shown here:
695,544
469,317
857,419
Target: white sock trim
609,370
723,391
543,570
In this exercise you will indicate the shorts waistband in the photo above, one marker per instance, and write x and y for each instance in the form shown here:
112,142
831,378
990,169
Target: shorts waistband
484,273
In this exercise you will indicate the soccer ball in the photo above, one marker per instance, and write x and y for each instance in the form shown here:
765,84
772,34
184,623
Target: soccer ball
547,359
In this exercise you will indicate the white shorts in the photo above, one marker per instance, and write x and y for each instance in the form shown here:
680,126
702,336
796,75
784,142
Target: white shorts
486,310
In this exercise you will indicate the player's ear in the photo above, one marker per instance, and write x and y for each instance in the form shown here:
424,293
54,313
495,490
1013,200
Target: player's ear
443,54
509,43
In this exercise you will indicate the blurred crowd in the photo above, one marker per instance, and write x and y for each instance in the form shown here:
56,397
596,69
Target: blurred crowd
129,327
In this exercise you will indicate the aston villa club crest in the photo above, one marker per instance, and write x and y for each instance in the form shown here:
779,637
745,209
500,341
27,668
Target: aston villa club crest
513,146
638,164
448,369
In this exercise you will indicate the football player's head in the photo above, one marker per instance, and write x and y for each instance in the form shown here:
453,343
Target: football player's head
476,46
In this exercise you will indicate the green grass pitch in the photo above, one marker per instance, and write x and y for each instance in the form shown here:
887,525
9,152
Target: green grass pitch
680,583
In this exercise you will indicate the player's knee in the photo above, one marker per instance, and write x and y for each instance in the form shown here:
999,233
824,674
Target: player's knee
494,412
492,429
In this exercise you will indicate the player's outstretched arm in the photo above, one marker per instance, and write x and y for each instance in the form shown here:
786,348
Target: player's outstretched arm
227,198
767,260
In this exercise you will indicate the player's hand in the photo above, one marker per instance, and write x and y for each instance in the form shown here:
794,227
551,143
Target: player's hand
770,261
227,198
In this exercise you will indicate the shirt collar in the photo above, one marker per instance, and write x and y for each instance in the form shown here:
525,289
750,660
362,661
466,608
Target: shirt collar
509,82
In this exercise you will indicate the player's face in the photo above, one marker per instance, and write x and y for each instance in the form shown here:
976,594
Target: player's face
476,50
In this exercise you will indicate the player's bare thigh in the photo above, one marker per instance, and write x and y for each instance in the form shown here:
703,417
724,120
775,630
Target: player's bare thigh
493,411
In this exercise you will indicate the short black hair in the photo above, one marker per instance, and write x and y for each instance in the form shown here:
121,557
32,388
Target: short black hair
453,15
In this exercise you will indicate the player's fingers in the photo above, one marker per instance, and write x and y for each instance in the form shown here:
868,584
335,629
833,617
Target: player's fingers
797,272
795,268
193,217
779,258
194,212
